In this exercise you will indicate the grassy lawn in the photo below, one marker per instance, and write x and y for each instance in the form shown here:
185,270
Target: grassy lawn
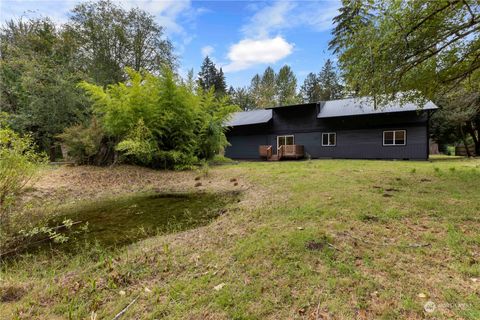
321,239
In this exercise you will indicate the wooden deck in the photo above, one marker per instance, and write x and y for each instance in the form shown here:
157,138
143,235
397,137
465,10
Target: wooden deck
293,151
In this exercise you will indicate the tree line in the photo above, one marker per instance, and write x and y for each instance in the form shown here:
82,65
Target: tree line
42,64
409,50
272,89
77,84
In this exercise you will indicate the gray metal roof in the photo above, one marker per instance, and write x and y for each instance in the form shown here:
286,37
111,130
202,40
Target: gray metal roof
360,106
249,117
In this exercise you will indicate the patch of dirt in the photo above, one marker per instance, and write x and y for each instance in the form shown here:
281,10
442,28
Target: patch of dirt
88,182
387,189
369,217
11,293
392,189
315,245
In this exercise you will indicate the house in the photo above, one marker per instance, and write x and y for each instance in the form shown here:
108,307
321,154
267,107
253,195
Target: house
348,128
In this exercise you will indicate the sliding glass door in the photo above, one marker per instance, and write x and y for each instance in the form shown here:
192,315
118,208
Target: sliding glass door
285,140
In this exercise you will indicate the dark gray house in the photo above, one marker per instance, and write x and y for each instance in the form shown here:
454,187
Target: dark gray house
347,128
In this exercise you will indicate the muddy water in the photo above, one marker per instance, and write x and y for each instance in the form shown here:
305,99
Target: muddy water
114,223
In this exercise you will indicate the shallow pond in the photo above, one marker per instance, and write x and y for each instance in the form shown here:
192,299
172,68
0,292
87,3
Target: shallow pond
117,222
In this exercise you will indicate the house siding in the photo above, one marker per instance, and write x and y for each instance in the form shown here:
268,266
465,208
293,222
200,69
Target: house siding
358,137
245,147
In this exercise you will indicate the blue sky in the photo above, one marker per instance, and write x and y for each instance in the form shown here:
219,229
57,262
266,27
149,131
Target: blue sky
243,37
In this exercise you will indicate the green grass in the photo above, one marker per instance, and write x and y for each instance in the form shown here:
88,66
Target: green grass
385,232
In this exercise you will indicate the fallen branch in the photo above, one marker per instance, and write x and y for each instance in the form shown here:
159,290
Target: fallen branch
333,247
418,245
125,309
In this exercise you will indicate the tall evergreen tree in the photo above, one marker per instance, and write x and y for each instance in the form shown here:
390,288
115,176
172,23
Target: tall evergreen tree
268,89
353,16
220,84
207,75
210,77
231,91
330,87
241,97
286,87
271,89
310,90
255,91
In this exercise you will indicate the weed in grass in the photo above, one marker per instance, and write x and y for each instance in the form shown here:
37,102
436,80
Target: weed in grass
392,213
411,304
455,241
413,170
204,169
469,268
366,217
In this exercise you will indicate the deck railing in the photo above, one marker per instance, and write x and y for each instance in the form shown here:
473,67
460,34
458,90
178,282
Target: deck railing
265,151
293,151
269,152
281,152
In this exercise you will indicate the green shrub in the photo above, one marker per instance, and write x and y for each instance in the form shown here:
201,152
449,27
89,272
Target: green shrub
83,142
139,144
159,121
18,164
451,150
219,159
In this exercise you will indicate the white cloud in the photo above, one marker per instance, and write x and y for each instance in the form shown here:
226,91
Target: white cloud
178,17
207,51
320,18
268,19
20,9
250,52
259,45
282,15
166,12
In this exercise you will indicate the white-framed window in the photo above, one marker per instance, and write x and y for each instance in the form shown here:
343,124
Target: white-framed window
285,140
395,138
329,139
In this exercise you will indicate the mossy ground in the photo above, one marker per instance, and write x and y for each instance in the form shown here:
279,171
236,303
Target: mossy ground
321,239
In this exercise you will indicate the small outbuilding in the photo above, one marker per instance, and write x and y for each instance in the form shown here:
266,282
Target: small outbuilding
348,128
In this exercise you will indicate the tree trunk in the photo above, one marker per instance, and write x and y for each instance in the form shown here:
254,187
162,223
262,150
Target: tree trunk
465,143
52,153
475,137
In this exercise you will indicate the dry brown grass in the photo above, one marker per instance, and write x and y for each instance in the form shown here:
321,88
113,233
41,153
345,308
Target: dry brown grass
89,182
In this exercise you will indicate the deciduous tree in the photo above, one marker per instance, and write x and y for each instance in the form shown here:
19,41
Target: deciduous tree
112,38
38,86
414,47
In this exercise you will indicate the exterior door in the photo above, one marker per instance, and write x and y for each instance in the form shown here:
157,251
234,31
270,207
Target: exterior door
285,140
